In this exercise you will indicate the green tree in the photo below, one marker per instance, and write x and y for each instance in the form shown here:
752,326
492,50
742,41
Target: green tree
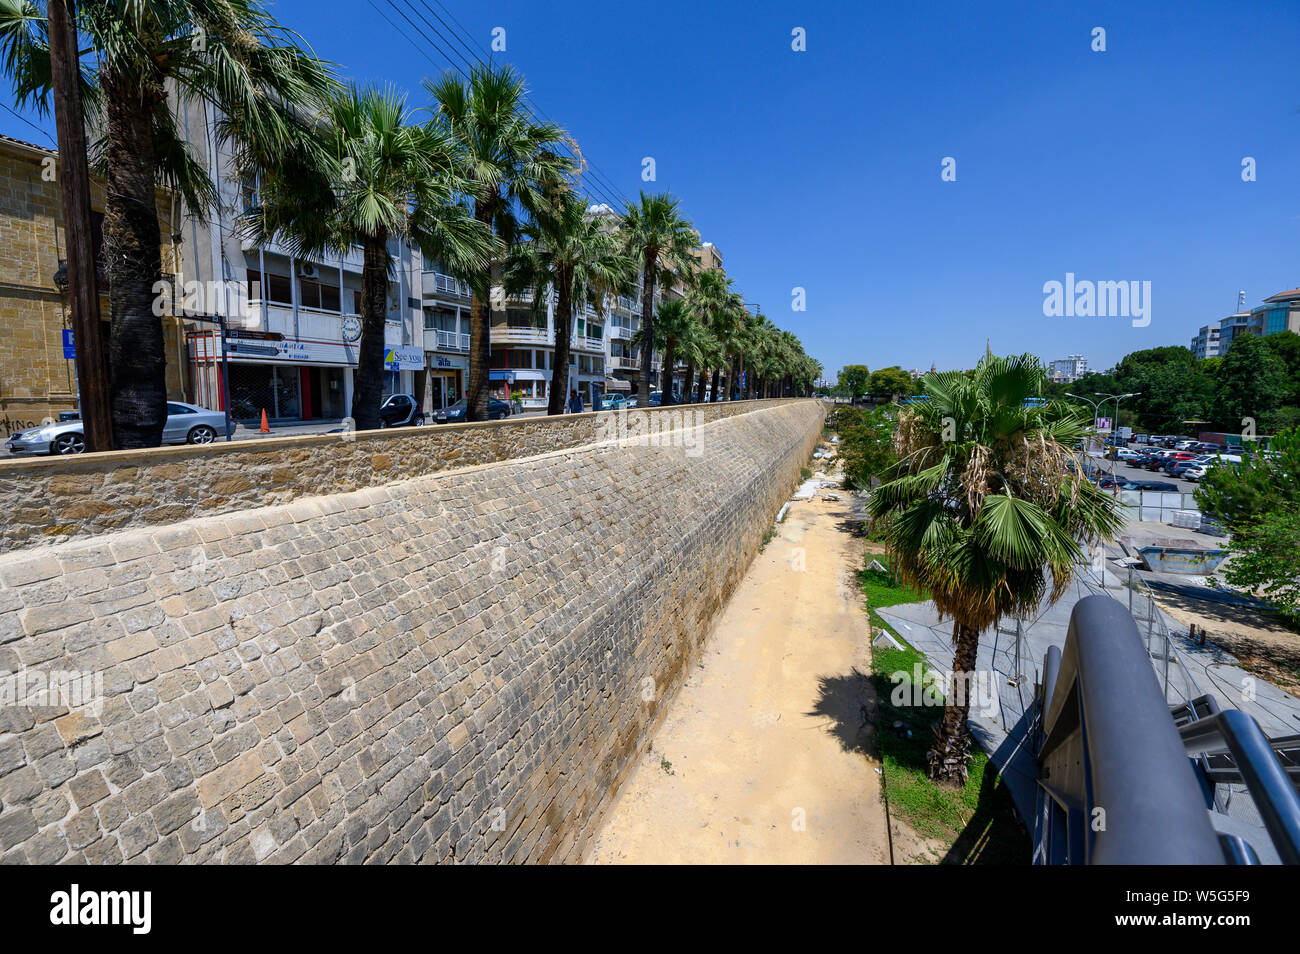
249,68
866,443
385,178
984,511
1258,502
886,383
855,379
573,253
660,238
511,162
1251,381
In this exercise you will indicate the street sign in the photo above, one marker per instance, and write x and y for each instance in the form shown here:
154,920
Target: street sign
69,348
1103,425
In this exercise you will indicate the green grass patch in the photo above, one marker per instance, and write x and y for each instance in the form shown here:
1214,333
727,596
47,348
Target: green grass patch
978,822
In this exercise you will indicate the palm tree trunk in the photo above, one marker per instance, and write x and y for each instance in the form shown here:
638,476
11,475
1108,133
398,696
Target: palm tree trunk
368,385
647,327
480,333
699,388
713,392
690,380
559,396
133,263
740,375
666,379
733,378
951,752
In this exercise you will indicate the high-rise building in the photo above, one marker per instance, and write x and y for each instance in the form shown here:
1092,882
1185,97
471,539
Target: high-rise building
1206,342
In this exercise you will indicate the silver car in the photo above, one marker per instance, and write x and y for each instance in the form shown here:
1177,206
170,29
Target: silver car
186,424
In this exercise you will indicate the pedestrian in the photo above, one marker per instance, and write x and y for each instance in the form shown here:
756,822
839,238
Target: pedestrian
575,403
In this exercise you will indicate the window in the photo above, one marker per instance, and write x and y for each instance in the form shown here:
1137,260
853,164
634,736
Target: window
274,288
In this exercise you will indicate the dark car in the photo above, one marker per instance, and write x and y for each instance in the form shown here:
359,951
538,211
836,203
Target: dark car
657,399
400,410
1162,486
455,413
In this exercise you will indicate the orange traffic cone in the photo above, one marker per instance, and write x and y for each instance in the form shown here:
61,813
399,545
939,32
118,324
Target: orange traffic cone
266,425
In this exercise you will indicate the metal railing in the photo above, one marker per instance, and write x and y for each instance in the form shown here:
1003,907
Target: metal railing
1115,781
452,341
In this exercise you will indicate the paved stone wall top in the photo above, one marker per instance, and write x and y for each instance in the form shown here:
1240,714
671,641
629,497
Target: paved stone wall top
49,499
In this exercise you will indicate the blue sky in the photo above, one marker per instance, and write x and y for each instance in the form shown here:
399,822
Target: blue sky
821,169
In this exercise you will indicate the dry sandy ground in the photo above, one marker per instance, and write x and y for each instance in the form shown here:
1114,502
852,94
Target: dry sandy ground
1261,644
764,755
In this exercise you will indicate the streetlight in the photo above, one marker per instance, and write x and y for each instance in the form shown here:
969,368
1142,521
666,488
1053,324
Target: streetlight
1117,398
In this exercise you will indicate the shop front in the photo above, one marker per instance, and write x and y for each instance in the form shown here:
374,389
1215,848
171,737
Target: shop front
446,380
289,379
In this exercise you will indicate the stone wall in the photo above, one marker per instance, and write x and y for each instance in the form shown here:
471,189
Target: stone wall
48,499
456,666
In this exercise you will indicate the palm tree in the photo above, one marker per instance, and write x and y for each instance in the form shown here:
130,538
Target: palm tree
728,329
674,322
982,508
384,177
511,163
655,232
572,252
226,54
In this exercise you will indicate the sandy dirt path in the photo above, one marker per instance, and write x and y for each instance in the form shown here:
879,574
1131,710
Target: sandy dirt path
765,754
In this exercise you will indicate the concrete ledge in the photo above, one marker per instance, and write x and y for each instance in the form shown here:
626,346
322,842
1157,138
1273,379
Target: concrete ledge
60,498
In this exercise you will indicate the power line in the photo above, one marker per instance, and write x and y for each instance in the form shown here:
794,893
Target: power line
19,116
602,187
443,52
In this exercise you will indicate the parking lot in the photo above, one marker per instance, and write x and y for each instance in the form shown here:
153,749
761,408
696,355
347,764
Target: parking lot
1125,470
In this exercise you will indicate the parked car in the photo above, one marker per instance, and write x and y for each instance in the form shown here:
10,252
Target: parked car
1194,472
455,413
1123,453
1177,469
1173,460
1160,486
657,399
185,424
400,410
613,402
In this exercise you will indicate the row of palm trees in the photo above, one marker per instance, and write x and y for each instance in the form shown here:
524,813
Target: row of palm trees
473,179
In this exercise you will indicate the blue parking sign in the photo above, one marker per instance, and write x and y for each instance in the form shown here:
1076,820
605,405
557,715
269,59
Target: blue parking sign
69,349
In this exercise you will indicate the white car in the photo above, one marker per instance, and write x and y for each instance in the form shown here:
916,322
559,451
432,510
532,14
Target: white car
186,424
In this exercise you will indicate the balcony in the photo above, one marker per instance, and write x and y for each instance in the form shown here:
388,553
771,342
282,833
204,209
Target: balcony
624,363
521,334
621,332
588,344
353,259
436,283
449,341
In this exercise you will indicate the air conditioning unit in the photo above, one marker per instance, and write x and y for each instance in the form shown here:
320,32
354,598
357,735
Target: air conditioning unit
307,270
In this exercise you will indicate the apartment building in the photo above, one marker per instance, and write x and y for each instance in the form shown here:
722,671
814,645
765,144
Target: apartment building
38,376
293,323
1068,369
1206,342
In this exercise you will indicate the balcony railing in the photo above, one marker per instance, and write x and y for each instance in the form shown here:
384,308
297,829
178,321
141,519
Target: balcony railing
624,363
452,341
447,285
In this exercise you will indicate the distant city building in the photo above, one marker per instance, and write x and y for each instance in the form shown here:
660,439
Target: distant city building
1206,342
1280,312
1068,369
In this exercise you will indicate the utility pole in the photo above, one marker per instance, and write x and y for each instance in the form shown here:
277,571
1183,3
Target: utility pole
74,184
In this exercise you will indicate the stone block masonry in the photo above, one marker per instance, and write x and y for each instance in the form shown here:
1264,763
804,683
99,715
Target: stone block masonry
456,666
50,499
